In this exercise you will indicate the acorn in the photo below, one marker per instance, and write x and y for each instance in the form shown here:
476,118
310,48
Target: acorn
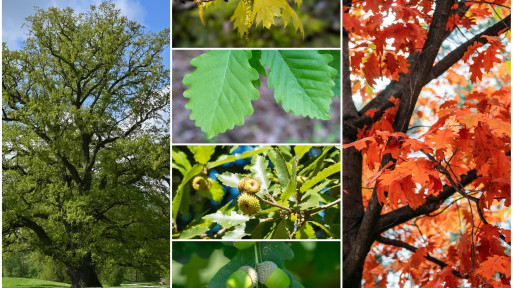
272,276
244,277
248,204
241,245
201,183
241,184
248,185
252,185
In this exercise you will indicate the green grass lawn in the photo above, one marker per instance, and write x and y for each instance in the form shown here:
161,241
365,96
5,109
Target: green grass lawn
9,282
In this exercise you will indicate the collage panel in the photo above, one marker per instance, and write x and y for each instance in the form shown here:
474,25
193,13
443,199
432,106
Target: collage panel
85,144
256,192
427,144
246,264
256,23
256,96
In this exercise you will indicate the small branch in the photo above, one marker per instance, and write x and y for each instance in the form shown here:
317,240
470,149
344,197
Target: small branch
323,207
401,244
459,188
485,2
275,204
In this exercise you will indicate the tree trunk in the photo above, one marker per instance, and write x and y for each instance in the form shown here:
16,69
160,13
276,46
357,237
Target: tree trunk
84,275
352,207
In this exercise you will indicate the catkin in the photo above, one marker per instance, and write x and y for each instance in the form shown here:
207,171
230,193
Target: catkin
249,20
201,7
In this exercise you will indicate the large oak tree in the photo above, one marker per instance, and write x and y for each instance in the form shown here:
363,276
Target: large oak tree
426,163
85,142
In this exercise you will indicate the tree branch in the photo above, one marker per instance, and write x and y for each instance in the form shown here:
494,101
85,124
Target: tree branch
458,53
401,244
323,207
275,204
406,213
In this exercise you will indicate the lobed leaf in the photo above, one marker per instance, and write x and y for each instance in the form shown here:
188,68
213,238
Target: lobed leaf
221,90
302,81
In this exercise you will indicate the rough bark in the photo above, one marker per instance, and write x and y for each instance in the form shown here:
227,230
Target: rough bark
84,275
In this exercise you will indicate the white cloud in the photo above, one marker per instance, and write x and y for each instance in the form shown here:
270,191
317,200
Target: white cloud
15,12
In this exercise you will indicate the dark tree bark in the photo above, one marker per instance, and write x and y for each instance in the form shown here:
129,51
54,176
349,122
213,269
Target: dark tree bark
363,226
84,275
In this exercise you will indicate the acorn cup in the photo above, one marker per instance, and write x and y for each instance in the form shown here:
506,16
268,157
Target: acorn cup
244,277
201,183
272,276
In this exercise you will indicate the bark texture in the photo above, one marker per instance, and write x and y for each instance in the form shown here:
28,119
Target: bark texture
85,274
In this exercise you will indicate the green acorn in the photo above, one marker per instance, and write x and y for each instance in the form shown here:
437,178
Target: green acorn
272,276
244,277
201,183
241,245
248,204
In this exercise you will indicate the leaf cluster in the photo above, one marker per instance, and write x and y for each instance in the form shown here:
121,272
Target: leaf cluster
299,193
223,85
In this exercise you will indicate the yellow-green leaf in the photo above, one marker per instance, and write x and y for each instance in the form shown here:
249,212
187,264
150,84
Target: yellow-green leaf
239,19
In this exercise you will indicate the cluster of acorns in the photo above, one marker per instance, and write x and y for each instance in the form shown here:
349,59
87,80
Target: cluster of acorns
267,273
248,203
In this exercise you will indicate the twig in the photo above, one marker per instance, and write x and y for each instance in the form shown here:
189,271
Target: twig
401,244
323,207
459,188
275,204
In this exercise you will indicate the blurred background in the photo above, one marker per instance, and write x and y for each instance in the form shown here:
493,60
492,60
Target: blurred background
315,263
268,124
320,18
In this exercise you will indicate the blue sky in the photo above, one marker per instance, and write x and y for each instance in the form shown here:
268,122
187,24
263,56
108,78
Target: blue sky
153,14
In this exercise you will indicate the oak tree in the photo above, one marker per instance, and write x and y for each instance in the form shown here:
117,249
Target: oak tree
85,142
427,153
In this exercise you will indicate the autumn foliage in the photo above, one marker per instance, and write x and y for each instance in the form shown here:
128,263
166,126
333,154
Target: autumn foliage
427,134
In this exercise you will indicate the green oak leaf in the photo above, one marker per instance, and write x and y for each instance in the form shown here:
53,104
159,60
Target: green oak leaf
227,221
202,153
302,81
335,64
325,173
260,172
281,167
221,90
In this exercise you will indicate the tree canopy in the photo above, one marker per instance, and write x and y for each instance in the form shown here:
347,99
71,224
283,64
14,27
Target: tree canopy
427,154
85,142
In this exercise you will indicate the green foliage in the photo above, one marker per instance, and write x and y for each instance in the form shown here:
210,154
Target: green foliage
221,90
320,20
85,140
223,85
302,81
297,187
277,252
308,264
